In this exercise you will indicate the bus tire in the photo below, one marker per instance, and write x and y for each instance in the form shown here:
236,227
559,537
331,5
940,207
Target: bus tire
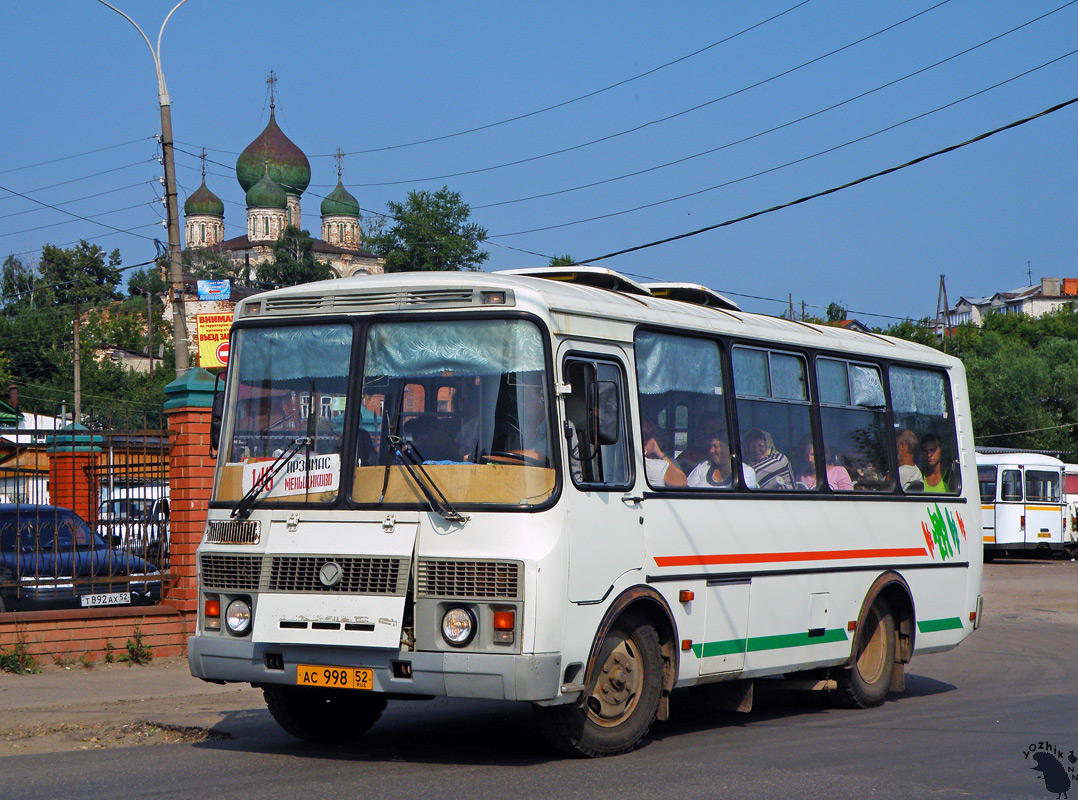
323,715
622,700
866,681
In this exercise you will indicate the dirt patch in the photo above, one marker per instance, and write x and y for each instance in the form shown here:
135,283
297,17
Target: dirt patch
75,736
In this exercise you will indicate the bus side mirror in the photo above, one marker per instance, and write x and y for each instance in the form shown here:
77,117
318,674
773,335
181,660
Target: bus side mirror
216,415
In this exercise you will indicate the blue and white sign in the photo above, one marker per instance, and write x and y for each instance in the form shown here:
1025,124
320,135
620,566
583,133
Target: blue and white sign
214,290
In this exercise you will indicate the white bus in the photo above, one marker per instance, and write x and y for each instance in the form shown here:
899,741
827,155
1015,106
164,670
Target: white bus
574,490
1023,505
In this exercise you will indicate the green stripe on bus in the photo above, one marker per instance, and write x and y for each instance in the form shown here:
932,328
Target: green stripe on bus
727,647
933,625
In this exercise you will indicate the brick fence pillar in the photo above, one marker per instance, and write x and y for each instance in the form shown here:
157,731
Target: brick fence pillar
190,478
73,455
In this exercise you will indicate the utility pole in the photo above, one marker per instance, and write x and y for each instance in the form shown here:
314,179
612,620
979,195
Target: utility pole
943,312
175,272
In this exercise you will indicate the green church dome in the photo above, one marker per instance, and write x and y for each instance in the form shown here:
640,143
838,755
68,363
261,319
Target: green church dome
339,203
267,194
288,166
203,201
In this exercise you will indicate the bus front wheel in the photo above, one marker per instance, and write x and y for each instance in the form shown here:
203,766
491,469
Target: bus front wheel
622,699
866,681
323,715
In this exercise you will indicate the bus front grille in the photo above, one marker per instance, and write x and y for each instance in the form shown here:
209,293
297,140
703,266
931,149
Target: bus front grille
221,571
498,580
364,575
232,532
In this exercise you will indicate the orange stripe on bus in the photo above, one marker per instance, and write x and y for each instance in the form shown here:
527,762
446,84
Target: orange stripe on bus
991,539
1043,508
767,558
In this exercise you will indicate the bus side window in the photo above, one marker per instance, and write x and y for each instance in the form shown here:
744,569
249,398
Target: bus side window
682,406
855,438
594,459
919,399
1012,485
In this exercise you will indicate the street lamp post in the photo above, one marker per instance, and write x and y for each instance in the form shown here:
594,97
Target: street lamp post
179,323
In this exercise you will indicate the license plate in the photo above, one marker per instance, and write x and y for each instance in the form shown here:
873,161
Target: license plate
109,599
335,677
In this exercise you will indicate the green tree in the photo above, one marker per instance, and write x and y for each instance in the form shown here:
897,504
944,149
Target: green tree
17,280
835,312
562,261
294,261
430,232
79,272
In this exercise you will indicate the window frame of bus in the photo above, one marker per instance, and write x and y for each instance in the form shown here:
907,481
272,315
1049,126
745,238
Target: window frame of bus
365,323
884,422
768,349
670,431
574,357
951,440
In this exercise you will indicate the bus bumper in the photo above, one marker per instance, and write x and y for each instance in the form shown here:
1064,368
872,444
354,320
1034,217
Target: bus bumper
494,676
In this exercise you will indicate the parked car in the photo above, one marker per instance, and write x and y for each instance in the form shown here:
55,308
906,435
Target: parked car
51,558
137,520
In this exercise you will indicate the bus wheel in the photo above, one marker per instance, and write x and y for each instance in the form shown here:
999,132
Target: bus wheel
622,701
866,681
323,715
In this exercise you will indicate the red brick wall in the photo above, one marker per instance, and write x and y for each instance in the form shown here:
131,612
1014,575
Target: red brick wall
73,634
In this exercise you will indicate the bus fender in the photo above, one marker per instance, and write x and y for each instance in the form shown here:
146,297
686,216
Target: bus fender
645,602
896,591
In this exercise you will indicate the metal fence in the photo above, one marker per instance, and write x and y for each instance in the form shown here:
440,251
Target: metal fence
117,551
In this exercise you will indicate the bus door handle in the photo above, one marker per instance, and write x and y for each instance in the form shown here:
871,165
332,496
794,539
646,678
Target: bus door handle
632,500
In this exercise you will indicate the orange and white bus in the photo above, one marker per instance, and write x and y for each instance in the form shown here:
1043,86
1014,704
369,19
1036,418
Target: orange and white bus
1024,506
567,488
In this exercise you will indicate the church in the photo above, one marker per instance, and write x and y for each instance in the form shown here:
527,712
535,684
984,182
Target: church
274,173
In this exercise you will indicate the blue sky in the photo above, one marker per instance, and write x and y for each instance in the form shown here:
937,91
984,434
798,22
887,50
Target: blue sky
374,78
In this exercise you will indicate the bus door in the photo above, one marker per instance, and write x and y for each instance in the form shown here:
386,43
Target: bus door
1010,513
605,535
986,477
1044,506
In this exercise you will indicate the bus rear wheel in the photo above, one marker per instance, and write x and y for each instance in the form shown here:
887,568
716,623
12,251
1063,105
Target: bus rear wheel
323,715
866,681
622,699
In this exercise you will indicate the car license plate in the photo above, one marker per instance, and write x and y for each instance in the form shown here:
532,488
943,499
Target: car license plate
108,599
335,677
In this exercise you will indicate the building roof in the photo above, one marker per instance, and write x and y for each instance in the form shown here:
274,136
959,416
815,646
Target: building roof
267,194
244,243
203,201
288,166
339,203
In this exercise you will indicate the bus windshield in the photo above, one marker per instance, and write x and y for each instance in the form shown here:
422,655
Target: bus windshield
462,405
465,401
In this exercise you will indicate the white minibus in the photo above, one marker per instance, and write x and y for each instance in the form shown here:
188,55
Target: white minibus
568,488
1023,506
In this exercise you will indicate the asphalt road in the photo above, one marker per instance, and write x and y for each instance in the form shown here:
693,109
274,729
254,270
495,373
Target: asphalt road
962,728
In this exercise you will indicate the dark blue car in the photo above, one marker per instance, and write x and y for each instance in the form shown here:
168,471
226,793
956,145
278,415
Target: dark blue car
51,558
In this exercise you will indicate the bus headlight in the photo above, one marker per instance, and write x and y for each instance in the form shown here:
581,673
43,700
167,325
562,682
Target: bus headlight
238,616
458,626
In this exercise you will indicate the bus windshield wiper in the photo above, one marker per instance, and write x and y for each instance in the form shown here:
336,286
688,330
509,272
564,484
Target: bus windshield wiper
243,507
413,463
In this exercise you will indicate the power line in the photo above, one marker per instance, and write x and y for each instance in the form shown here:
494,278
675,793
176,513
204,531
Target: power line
660,120
787,124
76,155
86,197
561,104
99,236
844,186
76,216
75,180
795,161
92,217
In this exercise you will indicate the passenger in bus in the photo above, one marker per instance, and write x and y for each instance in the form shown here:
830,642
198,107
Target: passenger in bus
661,469
772,468
804,464
937,479
909,475
718,470
837,476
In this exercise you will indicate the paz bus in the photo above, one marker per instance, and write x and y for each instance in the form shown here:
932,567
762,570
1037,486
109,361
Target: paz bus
571,489
1025,504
